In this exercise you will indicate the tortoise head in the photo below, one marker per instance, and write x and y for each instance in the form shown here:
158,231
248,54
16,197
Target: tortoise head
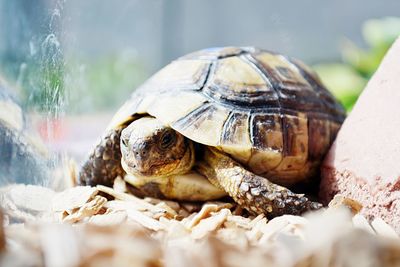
150,148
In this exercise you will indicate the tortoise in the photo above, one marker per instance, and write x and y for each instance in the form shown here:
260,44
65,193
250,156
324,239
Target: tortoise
255,123
22,159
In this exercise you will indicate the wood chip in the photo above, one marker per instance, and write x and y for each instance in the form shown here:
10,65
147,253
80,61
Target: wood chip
175,229
256,219
111,218
89,209
234,236
119,185
169,212
288,224
73,198
120,205
30,197
239,221
221,205
204,213
210,224
361,222
172,204
341,201
256,231
144,220
15,214
127,197
60,246
383,229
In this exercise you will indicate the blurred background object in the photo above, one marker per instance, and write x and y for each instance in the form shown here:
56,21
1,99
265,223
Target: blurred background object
73,63
23,157
347,78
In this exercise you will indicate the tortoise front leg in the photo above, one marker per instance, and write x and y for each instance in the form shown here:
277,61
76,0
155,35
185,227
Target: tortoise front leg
252,192
104,163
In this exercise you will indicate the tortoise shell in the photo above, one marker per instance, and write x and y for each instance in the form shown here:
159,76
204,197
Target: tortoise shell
268,111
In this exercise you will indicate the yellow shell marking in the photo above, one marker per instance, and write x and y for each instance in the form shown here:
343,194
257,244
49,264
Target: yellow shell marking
205,126
188,74
285,71
168,110
239,76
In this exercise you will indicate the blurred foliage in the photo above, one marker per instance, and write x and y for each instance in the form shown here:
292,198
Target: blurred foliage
104,82
38,77
45,84
48,81
346,79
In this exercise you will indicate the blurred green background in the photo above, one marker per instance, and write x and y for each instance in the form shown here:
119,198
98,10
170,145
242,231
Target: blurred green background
84,57
347,77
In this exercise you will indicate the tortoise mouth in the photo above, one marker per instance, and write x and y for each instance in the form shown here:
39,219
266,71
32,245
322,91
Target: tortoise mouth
154,166
153,170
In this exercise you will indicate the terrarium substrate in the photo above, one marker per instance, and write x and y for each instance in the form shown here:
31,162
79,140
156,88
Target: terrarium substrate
103,226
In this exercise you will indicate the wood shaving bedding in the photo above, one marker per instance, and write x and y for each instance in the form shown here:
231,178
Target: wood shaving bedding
73,198
383,229
109,218
118,229
204,213
210,224
87,210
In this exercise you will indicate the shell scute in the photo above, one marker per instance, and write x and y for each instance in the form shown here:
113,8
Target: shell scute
235,138
267,132
188,74
204,124
235,81
318,137
282,72
166,108
236,130
295,134
234,74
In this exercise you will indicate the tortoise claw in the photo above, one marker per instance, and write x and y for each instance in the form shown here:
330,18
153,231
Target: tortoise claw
259,195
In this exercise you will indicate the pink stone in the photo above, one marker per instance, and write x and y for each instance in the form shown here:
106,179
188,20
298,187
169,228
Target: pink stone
364,161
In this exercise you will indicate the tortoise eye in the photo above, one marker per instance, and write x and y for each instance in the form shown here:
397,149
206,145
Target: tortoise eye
167,139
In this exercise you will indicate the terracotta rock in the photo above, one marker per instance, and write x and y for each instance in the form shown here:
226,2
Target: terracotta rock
364,161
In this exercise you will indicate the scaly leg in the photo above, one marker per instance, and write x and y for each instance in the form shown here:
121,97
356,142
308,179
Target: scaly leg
252,192
104,163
